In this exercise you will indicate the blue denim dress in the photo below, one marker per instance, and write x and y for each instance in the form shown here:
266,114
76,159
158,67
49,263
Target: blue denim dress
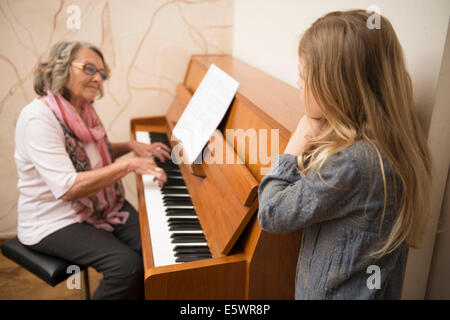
341,217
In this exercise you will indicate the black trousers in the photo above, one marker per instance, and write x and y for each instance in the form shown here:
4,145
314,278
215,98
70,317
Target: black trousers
117,255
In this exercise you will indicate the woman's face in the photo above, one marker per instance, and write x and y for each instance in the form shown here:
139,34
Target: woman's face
83,86
313,109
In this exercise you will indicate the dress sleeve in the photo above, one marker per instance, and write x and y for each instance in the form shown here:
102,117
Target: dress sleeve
289,200
45,147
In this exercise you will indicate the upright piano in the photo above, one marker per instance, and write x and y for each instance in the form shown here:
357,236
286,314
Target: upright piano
200,234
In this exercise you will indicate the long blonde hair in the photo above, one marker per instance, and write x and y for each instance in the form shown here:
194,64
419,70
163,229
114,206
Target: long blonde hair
358,76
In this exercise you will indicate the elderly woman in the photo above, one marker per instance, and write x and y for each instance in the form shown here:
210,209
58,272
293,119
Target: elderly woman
71,202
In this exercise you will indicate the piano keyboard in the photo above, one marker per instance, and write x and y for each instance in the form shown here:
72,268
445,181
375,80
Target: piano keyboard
175,230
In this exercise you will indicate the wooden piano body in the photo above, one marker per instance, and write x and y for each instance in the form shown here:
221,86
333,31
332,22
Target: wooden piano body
247,263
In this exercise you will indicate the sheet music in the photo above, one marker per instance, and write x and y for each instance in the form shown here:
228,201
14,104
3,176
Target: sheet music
204,112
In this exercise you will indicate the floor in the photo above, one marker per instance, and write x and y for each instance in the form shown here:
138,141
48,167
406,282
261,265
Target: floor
16,283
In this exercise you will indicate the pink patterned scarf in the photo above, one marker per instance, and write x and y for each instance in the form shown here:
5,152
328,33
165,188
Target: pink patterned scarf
103,209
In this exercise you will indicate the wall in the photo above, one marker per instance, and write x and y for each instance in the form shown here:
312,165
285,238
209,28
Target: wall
147,44
439,280
438,140
266,35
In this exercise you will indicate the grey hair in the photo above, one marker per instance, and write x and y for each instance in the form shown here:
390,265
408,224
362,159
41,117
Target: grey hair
53,74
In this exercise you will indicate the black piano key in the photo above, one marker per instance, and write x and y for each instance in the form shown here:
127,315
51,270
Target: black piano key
192,226
192,219
180,212
176,197
176,192
191,249
183,220
159,137
169,190
188,259
179,235
184,223
189,240
198,256
179,208
179,203
185,228
171,174
174,182
165,187
175,176
167,165
172,197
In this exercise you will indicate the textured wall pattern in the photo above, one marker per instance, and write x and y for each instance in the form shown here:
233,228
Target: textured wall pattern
147,44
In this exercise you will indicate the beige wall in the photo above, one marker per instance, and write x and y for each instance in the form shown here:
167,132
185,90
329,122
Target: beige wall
147,44
439,279
266,35
438,286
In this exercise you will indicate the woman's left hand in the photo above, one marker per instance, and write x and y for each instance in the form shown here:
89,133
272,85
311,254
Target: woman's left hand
157,149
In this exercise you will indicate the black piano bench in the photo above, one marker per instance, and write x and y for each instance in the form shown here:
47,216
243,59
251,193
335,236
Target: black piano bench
48,268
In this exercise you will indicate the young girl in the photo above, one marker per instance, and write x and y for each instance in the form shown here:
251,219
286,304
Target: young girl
356,172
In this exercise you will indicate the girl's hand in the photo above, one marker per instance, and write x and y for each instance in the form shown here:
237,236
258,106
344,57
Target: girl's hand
156,149
307,129
147,166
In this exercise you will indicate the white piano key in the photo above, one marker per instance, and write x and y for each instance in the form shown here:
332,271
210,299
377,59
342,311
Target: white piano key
162,246
142,136
160,237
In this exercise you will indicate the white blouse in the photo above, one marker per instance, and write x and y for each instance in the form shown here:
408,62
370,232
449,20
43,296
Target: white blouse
45,173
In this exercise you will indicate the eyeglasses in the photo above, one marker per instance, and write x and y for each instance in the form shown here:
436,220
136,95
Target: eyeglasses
90,69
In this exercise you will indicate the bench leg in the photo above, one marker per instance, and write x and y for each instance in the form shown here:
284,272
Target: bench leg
85,294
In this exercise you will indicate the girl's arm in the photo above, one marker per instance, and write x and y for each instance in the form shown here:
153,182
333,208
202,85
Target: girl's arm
289,200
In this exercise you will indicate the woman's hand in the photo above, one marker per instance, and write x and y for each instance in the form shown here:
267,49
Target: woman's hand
307,129
156,149
147,166
88,183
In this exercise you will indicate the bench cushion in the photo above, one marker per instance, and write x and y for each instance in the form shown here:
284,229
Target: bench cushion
50,269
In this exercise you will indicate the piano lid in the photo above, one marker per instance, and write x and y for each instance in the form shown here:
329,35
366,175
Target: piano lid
279,101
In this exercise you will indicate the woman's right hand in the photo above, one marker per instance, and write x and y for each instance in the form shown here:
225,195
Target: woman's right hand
147,166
